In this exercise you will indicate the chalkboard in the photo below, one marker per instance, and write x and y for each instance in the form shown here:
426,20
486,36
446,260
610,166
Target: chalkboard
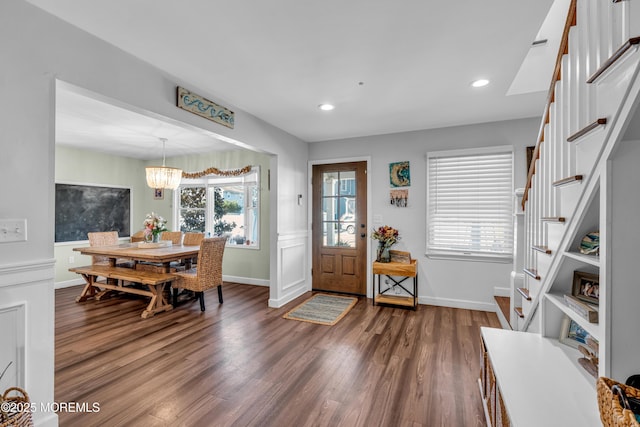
84,208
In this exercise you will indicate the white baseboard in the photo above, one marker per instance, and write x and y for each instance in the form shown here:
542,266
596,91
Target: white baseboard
277,303
69,283
455,303
246,280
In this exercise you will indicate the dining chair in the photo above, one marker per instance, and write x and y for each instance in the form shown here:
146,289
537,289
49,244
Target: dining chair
102,238
208,273
138,236
192,238
174,236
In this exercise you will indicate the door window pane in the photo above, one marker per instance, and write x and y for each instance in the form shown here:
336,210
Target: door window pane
338,208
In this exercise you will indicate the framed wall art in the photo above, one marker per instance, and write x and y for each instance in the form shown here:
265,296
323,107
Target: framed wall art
399,175
158,193
586,287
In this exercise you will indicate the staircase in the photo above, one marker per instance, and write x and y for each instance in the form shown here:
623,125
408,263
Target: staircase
593,93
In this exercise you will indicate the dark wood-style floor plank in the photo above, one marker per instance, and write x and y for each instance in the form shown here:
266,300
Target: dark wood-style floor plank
242,364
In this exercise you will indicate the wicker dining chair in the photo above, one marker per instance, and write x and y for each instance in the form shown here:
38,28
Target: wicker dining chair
192,239
174,236
138,236
102,238
207,275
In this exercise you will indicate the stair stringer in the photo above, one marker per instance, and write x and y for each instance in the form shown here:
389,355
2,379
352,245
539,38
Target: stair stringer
615,129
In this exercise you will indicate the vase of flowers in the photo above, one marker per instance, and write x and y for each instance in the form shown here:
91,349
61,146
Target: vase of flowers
386,237
154,225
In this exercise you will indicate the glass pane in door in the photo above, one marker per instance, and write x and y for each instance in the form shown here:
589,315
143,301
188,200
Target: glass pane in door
338,208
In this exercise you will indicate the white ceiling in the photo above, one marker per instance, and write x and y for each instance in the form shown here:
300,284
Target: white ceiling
279,59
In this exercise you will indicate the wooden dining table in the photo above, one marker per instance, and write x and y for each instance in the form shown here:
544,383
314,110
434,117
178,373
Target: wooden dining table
118,276
136,252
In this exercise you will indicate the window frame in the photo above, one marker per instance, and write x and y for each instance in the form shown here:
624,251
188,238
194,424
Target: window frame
470,254
210,183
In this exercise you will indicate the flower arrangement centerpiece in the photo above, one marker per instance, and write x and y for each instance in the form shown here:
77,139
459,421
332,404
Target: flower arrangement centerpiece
154,224
386,237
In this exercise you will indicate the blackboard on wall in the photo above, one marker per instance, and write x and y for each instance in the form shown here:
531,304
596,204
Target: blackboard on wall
84,208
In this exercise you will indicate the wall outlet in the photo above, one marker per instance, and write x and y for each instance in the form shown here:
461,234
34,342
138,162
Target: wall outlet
13,230
72,259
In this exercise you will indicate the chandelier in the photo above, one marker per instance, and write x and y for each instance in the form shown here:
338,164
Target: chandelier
163,176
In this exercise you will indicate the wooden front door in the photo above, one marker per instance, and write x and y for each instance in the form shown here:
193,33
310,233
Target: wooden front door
340,228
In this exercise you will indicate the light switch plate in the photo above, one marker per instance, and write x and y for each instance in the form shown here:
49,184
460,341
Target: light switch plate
13,230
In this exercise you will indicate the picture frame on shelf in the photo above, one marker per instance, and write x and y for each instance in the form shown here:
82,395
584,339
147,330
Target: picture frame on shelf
586,287
572,334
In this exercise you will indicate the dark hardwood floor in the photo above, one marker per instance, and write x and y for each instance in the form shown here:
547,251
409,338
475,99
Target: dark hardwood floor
242,364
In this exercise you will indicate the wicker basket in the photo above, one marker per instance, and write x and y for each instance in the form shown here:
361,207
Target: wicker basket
612,414
16,419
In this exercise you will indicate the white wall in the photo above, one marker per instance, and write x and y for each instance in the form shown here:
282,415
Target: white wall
440,282
36,49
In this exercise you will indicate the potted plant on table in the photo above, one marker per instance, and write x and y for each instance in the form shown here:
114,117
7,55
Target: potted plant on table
386,237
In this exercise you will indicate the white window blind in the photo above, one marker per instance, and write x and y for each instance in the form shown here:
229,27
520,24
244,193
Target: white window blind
469,203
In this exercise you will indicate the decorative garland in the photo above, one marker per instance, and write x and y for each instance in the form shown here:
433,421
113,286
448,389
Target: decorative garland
216,171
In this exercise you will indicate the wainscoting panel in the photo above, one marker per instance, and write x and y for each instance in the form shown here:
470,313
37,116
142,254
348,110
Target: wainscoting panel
292,269
27,317
12,350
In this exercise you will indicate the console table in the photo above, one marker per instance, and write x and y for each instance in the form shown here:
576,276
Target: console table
391,270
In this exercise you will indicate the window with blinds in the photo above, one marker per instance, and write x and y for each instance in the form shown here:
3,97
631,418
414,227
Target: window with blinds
470,203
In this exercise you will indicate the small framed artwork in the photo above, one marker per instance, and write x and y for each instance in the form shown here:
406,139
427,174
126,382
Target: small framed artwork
572,334
158,193
399,174
586,287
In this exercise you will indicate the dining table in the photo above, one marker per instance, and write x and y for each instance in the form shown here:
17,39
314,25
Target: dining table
127,277
141,252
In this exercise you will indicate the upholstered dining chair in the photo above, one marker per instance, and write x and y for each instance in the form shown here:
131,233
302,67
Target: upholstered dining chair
174,236
208,273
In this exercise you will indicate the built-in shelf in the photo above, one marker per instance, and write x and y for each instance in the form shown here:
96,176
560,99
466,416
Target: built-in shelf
532,273
553,219
525,293
591,126
568,180
543,249
616,55
588,259
519,312
592,329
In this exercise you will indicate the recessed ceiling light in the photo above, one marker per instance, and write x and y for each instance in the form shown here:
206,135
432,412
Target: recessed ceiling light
480,83
326,107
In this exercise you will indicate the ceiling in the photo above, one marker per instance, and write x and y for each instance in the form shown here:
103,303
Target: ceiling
387,66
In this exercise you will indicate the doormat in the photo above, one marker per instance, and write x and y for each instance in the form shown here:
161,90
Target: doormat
322,309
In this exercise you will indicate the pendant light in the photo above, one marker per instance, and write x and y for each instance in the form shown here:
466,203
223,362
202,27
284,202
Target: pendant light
163,176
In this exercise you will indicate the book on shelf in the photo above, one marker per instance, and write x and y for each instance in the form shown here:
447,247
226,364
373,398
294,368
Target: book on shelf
585,311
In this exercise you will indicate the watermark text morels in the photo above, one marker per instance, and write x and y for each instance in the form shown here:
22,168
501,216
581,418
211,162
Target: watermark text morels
10,407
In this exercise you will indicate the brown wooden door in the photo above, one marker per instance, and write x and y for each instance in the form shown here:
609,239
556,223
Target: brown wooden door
340,228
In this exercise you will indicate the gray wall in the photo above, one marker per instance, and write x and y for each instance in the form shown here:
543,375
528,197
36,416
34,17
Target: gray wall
454,283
